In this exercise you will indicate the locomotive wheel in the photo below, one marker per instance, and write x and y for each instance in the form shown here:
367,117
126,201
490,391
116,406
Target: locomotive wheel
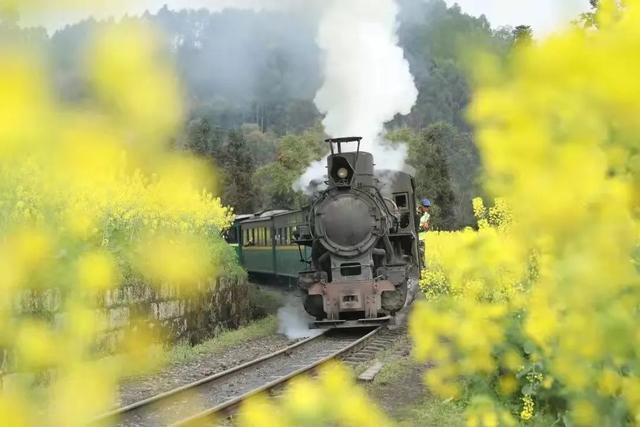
314,306
393,301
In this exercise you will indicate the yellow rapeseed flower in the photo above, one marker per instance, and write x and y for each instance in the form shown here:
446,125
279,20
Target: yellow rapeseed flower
97,271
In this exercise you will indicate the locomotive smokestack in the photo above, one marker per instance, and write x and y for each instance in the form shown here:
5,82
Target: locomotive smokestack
349,168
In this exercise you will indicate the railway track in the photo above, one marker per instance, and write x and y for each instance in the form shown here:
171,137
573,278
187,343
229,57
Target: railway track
221,393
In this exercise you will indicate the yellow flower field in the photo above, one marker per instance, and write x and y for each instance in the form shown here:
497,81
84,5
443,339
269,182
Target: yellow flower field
92,199
544,314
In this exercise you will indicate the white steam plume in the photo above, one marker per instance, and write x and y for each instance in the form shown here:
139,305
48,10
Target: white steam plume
367,79
293,321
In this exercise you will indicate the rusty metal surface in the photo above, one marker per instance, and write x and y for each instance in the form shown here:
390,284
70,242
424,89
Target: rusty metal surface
365,296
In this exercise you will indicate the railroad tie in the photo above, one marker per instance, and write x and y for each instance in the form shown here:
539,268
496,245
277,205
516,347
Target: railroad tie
371,372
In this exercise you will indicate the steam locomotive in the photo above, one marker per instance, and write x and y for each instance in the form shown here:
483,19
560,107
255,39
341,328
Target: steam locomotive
362,233
354,252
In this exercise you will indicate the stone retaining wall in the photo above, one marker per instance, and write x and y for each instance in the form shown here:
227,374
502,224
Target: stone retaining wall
220,304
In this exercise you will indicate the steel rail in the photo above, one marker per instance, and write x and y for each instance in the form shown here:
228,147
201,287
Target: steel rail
173,392
198,419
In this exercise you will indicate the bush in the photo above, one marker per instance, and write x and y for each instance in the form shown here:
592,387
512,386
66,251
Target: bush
543,315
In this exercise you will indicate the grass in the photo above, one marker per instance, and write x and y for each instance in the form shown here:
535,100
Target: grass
422,408
264,304
399,385
264,301
433,412
394,366
184,353
392,370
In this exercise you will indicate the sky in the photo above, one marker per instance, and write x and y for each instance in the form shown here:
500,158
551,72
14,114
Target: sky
544,16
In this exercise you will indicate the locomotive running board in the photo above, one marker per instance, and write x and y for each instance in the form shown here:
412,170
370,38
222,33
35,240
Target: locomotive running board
359,323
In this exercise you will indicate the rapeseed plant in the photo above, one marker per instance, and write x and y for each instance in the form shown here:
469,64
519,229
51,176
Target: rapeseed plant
92,199
559,286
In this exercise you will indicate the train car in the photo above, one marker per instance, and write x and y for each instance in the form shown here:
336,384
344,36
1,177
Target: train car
354,252
266,246
362,231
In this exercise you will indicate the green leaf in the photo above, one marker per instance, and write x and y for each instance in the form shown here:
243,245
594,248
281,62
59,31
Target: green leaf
529,347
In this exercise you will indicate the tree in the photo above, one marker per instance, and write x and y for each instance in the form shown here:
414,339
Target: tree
428,158
441,44
19,37
463,164
588,19
522,35
237,163
433,180
446,164
294,154
197,136
262,144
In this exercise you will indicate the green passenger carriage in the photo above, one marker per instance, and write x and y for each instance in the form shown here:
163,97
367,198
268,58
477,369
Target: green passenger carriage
265,244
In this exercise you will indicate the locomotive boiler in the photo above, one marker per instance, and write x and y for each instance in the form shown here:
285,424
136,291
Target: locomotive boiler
362,233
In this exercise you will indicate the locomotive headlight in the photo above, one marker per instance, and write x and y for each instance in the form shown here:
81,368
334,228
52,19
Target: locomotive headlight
343,173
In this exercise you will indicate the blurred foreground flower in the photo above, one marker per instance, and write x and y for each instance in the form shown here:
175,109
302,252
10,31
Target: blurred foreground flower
331,399
551,301
92,199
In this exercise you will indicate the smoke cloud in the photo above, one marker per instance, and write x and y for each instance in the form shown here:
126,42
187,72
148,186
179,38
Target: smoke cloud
367,80
293,321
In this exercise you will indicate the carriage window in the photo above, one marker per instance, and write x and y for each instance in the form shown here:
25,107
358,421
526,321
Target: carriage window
267,239
401,200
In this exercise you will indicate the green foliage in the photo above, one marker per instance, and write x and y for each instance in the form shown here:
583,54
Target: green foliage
264,301
434,412
276,179
432,174
588,19
181,354
522,35
440,43
258,168
261,144
238,163
446,164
